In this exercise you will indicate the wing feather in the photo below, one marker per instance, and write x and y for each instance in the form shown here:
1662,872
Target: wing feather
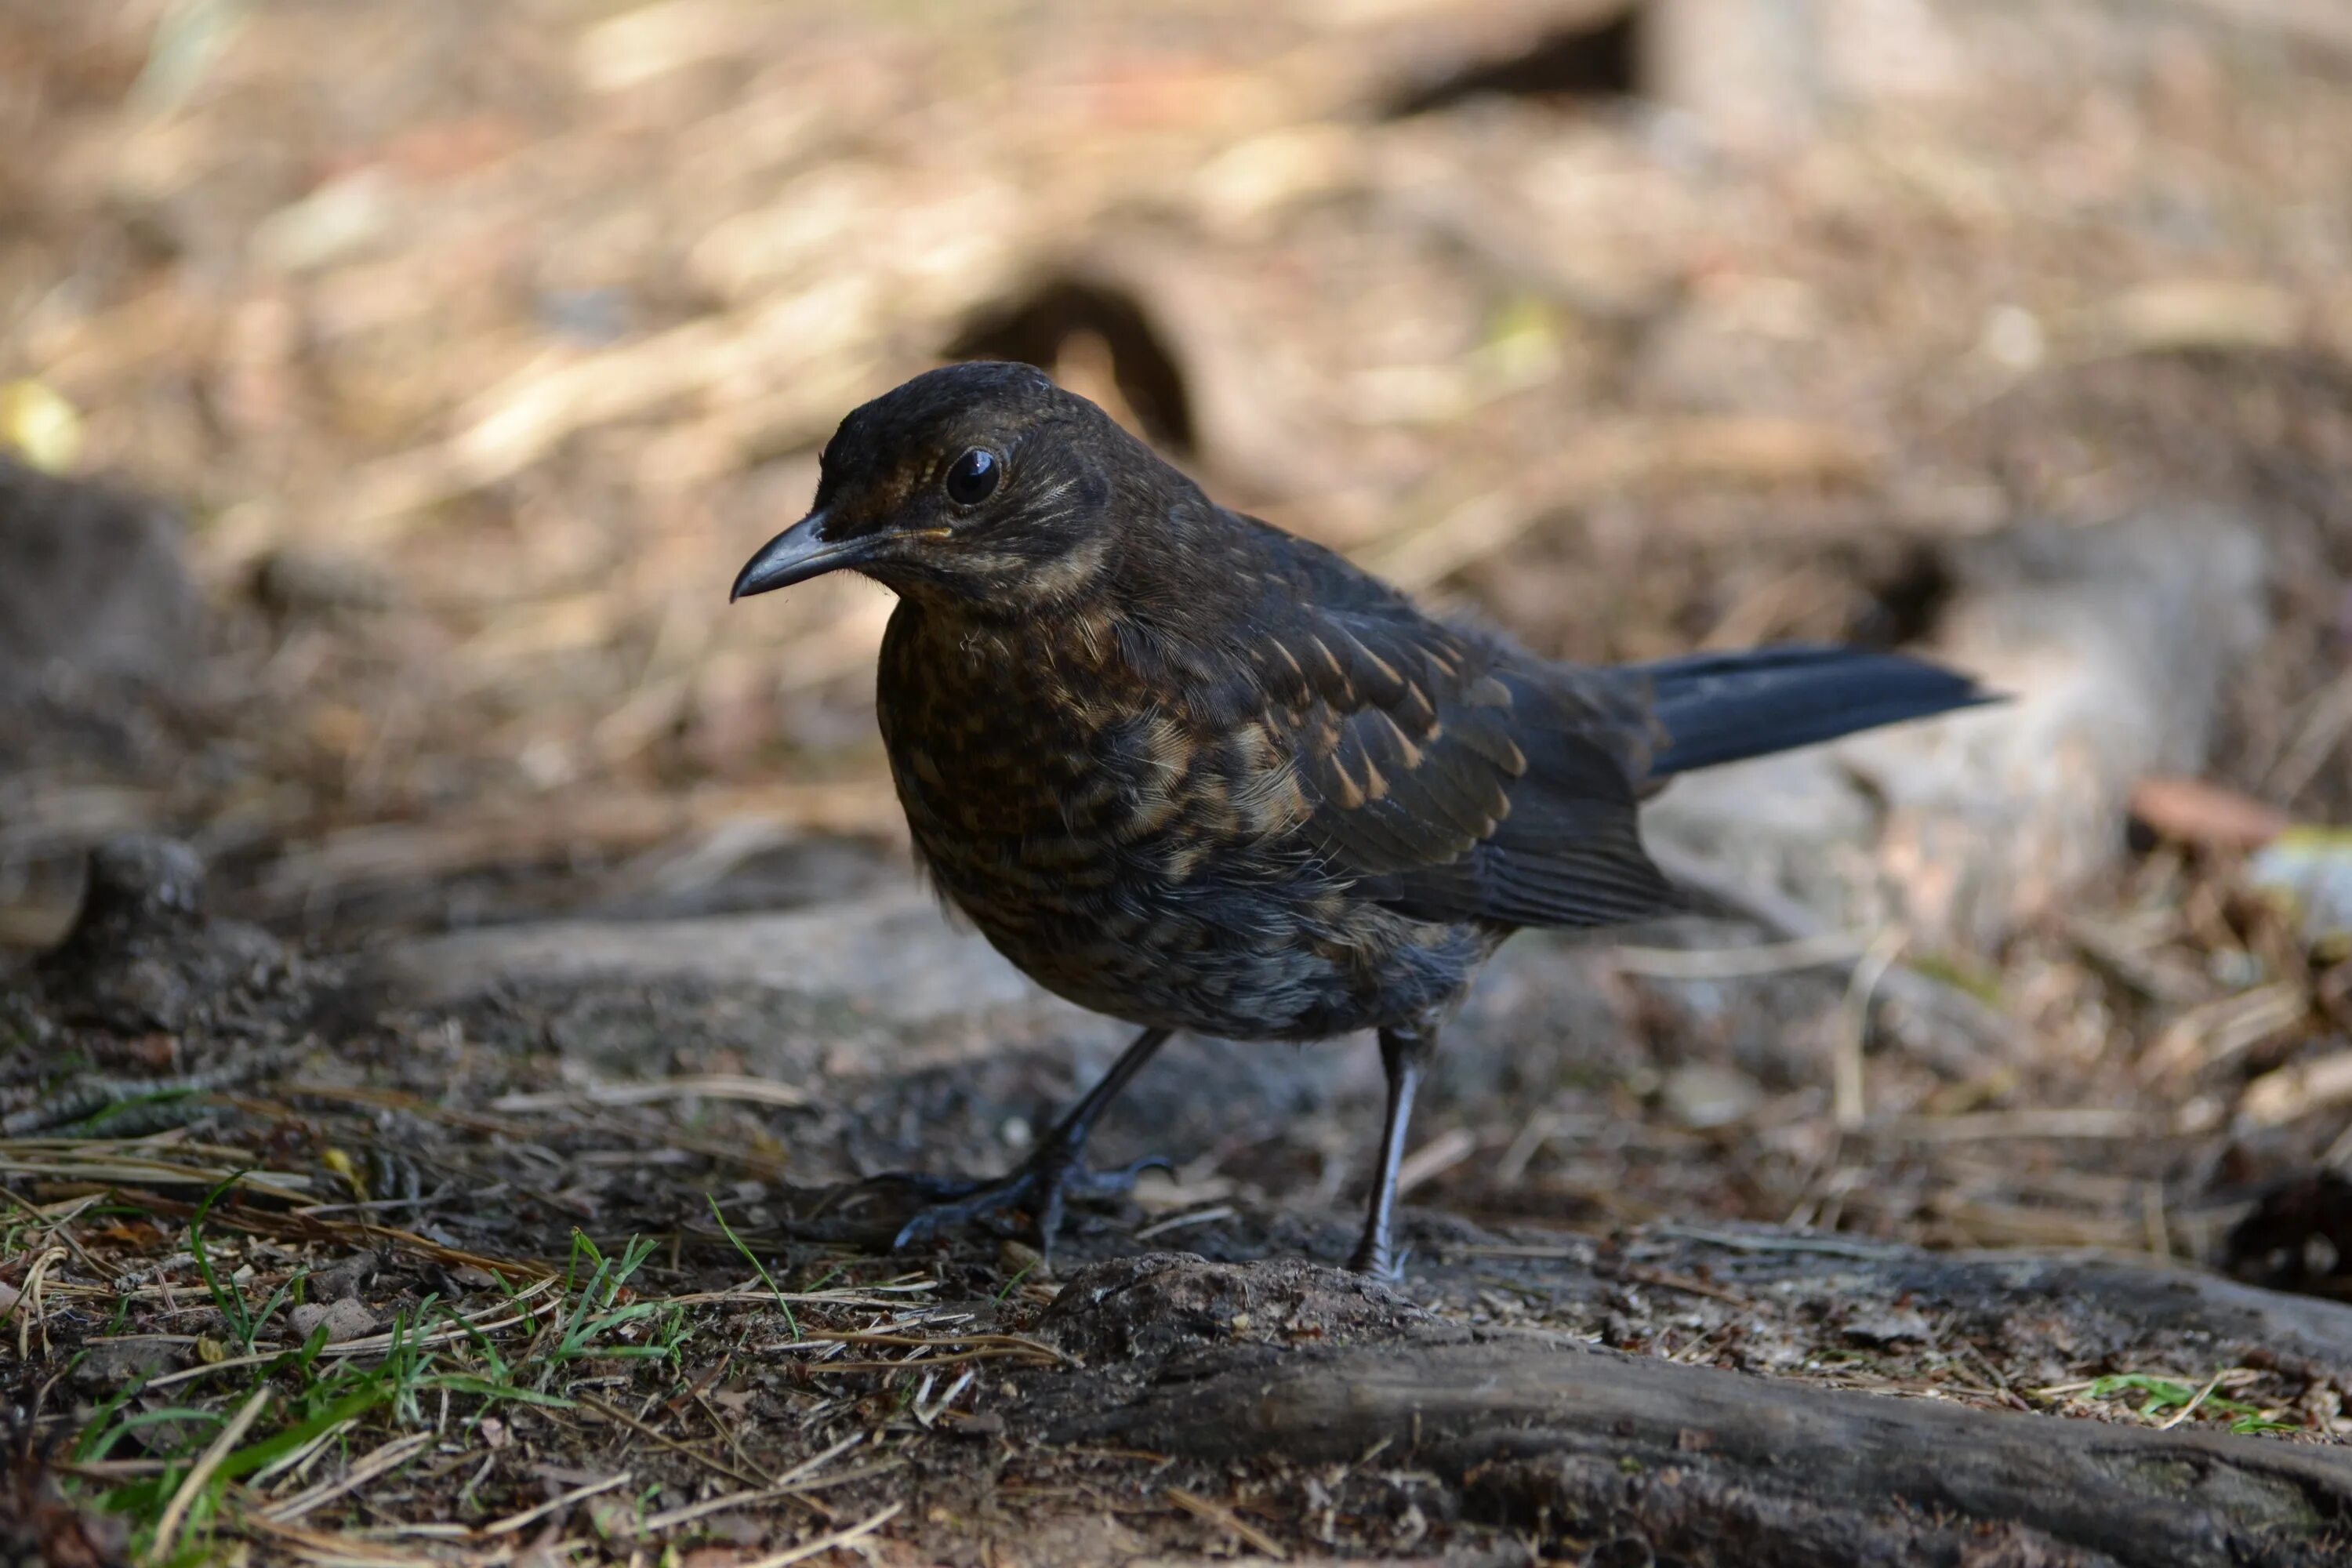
1451,777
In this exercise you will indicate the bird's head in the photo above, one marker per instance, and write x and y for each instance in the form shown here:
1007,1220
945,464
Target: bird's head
981,483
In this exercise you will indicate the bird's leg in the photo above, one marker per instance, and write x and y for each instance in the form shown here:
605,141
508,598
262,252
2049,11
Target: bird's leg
1057,1171
1405,1053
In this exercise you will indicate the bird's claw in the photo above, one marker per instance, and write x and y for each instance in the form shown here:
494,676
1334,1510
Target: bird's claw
1383,1264
1041,1186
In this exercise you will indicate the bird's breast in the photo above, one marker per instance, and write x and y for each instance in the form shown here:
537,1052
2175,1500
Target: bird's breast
1026,773
1141,857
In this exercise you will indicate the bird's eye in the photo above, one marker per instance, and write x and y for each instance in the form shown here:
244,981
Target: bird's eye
974,478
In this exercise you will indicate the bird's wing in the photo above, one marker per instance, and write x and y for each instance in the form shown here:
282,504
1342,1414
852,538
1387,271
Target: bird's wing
1451,778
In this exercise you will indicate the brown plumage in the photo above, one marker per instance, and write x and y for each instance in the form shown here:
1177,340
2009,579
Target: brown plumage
1190,770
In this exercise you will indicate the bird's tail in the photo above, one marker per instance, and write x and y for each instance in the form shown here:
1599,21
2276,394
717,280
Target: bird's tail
1726,706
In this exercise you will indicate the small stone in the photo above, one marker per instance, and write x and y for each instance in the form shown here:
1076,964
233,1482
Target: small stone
345,1320
1701,1095
344,1279
112,1365
1897,1326
290,583
95,586
142,956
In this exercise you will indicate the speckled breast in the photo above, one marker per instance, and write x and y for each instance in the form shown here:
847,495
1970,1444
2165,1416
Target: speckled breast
1144,864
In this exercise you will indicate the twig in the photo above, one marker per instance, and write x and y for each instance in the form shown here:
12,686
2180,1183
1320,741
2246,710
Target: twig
175,1512
59,1224
1739,962
2288,1093
391,1455
464,1328
338,1550
2185,1411
1180,1221
858,1532
996,1345
296,1226
727,1433
515,1521
708,1086
1226,1519
60,1159
785,1485
819,1297
1787,921
1826,1246
1435,1158
1658,1279
2033,1122
610,1412
28,1303
298,1458
1853,1028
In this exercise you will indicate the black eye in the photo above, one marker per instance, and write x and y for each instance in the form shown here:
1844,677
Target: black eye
974,478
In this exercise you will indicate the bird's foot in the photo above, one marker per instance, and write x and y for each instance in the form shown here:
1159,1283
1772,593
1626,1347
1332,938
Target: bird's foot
1379,1257
1041,1187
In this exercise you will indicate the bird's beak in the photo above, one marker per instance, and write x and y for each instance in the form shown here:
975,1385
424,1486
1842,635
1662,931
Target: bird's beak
795,555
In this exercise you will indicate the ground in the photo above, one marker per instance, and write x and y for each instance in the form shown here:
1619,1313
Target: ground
558,962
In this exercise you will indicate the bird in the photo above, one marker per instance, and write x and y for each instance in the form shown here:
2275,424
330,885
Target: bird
1196,772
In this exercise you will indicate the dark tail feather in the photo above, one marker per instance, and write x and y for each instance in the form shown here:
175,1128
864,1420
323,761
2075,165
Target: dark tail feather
1725,707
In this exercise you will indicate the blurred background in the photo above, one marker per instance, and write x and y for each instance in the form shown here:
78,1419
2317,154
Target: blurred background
393,387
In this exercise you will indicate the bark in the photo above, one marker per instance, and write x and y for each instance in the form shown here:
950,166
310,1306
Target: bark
1579,1446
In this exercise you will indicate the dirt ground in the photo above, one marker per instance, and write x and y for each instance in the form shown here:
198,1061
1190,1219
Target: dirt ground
361,1219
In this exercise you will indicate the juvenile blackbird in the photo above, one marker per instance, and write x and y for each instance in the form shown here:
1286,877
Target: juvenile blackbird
1196,772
